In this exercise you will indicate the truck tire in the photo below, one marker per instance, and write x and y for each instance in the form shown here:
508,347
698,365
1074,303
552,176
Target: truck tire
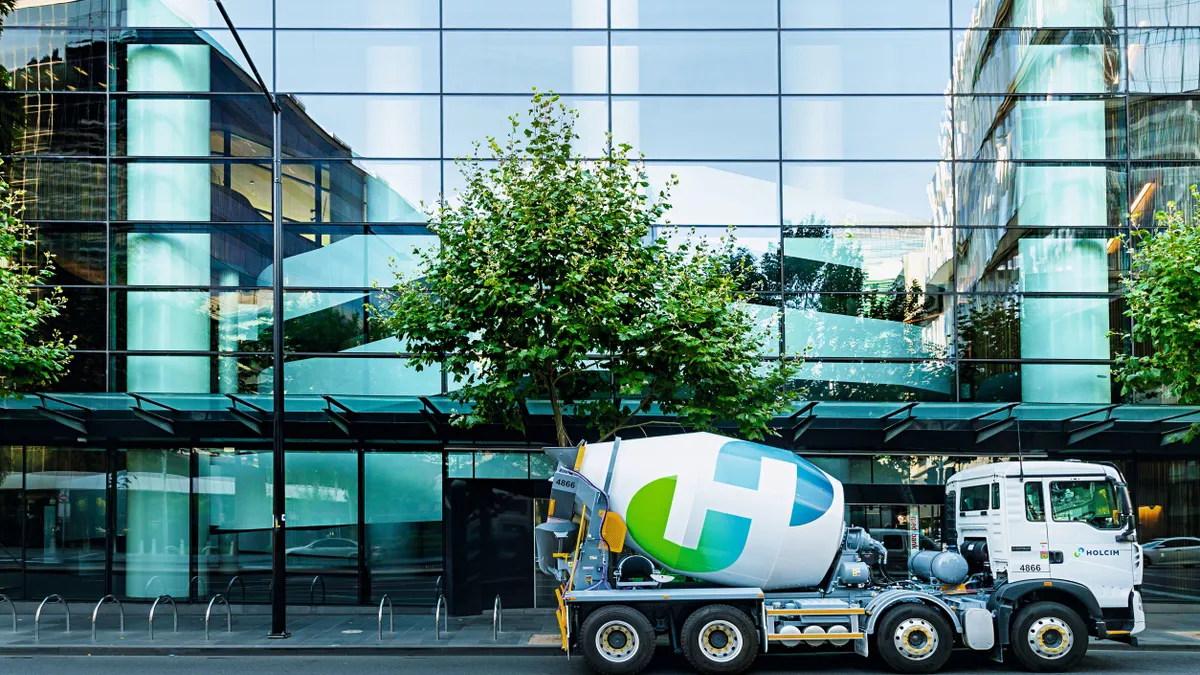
914,638
1048,637
617,640
719,639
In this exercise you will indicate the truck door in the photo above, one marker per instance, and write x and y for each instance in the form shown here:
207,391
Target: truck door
1085,519
1027,529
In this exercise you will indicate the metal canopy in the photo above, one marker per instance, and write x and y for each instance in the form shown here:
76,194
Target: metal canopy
329,421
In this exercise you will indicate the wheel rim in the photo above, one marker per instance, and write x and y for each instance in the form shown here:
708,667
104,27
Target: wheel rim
617,641
720,641
1050,637
915,639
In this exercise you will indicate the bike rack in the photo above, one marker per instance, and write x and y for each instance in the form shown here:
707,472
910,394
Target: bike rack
199,582
391,616
11,607
438,620
37,617
497,618
228,614
174,610
96,612
312,590
150,583
229,587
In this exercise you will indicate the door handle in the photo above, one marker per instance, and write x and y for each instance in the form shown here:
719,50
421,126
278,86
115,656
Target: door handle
1056,557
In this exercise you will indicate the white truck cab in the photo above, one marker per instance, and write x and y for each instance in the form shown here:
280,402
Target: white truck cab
1057,531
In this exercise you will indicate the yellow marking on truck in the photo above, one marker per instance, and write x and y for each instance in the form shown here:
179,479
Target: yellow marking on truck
1117,632
816,612
821,636
579,456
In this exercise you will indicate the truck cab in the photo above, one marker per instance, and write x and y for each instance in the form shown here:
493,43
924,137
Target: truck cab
1061,531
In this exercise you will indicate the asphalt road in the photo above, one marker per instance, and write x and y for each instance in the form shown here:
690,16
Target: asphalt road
665,664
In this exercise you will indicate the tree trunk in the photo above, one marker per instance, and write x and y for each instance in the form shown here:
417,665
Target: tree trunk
560,429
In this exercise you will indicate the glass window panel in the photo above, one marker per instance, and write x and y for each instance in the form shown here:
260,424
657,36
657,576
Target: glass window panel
360,371
870,325
219,126
719,193
524,14
54,59
874,381
866,62
86,373
1025,128
1151,187
1037,61
324,321
200,60
178,13
1042,13
1164,128
693,14
862,193
85,14
1037,383
501,465
338,256
83,316
698,128
322,507
233,513
152,550
66,506
1000,194
906,470
225,255
200,320
357,14
504,62
756,252
361,126
357,61
359,191
865,14
58,189
52,123
79,250
189,191
1040,327
12,520
198,374
821,259
541,466
403,512
866,127
709,62
472,118
1159,13
1048,260
460,465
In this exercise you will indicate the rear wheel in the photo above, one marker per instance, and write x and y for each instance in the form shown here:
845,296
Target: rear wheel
1048,637
914,638
617,640
719,639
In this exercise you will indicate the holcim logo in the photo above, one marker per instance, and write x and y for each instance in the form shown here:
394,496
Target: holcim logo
1081,552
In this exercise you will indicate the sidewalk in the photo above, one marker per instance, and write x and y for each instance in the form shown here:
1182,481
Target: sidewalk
525,632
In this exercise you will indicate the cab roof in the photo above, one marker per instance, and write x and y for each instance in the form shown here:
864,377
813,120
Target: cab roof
1035,468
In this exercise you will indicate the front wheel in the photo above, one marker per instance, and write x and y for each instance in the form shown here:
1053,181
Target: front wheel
719,640
1048,637
914,638
617,640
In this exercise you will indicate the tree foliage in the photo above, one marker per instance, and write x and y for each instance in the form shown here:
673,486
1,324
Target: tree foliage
551,285
28,357
1162,294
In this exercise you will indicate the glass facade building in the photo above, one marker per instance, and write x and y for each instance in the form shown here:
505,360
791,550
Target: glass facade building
931,194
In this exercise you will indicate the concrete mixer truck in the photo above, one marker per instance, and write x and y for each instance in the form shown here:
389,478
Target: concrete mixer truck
724,549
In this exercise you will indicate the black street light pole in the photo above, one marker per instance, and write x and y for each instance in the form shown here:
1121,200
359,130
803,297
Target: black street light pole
278,498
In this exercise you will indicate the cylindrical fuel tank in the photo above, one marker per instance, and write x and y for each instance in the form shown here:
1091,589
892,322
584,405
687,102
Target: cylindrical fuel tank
723,510
943,567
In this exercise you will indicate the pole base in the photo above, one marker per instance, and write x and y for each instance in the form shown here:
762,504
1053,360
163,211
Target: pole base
279,636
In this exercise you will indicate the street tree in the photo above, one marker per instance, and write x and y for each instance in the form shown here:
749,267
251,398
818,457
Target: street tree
1162,295
551,284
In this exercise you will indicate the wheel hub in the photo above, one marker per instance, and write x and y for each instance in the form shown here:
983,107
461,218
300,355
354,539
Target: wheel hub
1050,637
915,639
617,641
720,641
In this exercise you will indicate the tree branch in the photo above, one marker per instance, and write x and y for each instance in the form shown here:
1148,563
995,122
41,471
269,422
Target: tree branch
623,424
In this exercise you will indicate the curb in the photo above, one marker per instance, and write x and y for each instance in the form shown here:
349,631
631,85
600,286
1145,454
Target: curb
262,650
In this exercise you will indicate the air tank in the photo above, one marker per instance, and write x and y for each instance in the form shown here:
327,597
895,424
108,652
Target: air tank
944,567
721,509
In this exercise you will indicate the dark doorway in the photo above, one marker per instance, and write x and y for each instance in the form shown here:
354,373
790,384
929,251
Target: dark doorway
489,543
